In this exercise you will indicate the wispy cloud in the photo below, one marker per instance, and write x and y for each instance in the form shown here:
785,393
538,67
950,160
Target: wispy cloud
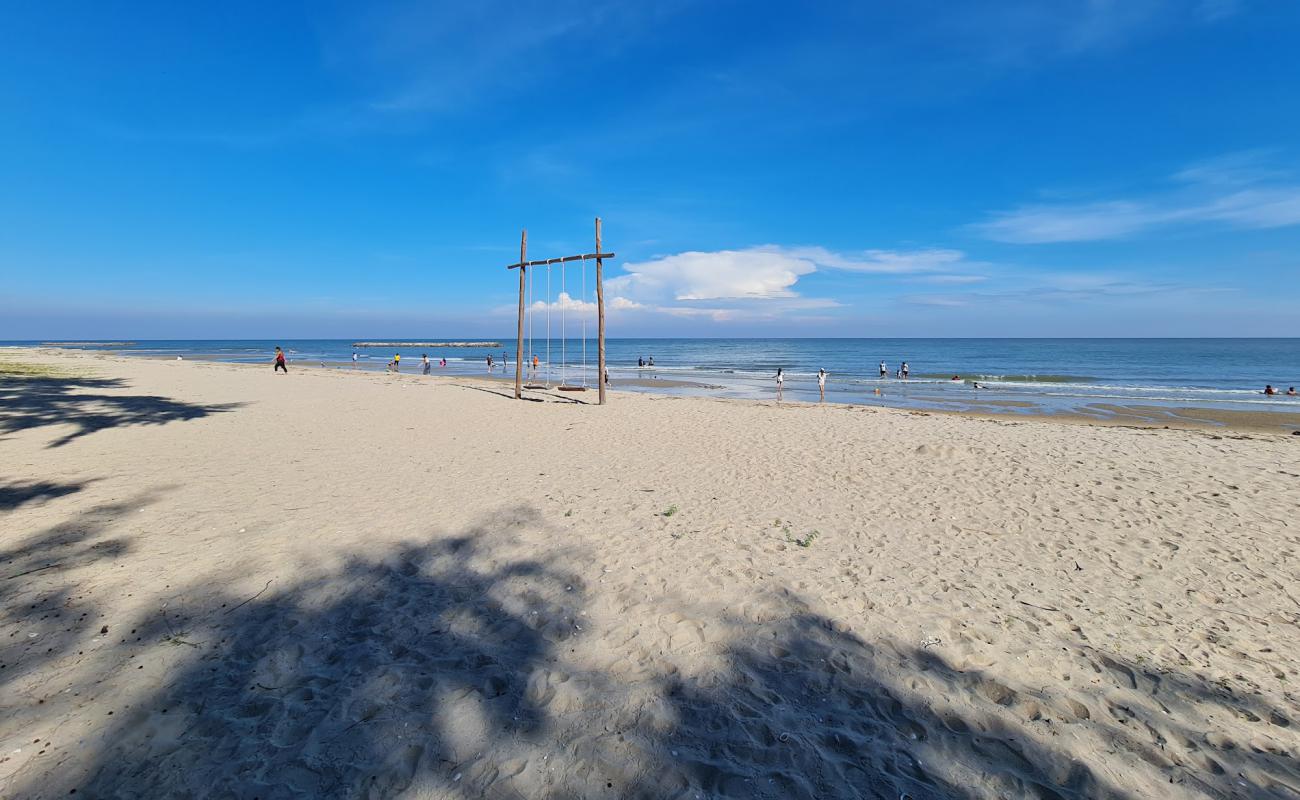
892,262
1072,288
1239,190
1025,31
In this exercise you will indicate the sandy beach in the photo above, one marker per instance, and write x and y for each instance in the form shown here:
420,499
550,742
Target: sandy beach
220,582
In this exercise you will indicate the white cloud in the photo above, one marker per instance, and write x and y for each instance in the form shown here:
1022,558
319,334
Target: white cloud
759,283
564,302
757,273
1052,290
952,279
1234,190
1071,223
1232,169
881,261
768,272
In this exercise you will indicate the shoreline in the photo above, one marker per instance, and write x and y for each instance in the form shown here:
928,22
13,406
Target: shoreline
1122,415
1148,401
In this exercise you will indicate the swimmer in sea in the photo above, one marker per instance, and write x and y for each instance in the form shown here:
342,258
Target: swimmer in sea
1269,390
1291,392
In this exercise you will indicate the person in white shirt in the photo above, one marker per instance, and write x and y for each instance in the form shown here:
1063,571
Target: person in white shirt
821,384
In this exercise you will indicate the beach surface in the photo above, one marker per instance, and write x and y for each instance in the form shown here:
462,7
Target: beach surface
220,582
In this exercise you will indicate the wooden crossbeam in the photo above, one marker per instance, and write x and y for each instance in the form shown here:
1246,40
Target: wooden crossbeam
585,257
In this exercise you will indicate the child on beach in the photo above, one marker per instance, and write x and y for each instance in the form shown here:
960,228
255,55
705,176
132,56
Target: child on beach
821,385
279,362
489,363
427,365
780,382
354,358
397,362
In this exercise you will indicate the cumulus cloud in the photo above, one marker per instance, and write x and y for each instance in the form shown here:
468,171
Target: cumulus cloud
757,273
1238,190
752,285
768,273
564,302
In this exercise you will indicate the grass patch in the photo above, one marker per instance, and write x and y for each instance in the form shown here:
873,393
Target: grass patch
24,369
669,511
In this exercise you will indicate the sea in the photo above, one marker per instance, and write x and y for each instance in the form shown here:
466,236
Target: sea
1010,375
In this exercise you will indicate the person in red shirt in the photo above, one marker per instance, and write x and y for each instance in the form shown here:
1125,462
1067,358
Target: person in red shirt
279,362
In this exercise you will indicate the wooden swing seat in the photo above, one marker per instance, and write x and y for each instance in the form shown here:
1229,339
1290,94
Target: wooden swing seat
572,388
535,386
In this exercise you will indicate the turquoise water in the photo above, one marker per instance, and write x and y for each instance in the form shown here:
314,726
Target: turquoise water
1048,373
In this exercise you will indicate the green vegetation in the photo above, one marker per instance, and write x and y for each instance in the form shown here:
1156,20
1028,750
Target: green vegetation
805,541
23,369
668,512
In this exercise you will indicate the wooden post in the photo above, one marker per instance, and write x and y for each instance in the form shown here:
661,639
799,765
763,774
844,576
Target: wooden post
519,350
600,319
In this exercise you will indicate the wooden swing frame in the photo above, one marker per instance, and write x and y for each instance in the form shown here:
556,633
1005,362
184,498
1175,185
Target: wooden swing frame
522,265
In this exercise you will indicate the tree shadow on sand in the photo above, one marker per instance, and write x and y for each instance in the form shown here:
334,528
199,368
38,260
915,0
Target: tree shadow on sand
802,708
442,670
14,494
420,671
31,402
46,611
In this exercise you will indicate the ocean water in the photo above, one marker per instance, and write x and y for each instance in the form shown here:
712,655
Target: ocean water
1050,374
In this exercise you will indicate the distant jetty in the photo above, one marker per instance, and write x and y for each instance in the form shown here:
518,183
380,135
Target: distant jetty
88,344
426,344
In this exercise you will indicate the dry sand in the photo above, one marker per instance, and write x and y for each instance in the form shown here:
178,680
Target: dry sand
219,582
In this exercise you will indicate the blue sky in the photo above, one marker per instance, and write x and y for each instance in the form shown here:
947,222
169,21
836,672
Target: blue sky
1081,167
